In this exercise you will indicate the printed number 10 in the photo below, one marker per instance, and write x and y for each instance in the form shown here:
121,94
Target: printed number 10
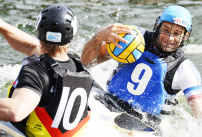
68,104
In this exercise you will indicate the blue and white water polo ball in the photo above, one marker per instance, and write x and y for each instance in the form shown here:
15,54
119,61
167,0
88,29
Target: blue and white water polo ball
130,52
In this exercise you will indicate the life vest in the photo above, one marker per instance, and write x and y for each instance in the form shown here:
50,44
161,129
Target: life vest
68,113
141,83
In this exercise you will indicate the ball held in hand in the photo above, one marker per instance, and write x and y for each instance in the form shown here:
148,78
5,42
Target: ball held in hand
130,52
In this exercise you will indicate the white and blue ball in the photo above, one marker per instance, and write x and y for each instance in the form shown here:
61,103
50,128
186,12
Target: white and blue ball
130,52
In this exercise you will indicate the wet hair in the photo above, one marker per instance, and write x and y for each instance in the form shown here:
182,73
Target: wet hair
52,48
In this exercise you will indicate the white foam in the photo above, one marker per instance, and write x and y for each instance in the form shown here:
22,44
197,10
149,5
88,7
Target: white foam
8,74
192,48
102,72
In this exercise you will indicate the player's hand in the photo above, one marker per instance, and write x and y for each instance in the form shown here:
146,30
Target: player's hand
110,33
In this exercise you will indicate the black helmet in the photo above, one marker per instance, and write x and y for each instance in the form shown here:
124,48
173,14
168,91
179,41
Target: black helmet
56,24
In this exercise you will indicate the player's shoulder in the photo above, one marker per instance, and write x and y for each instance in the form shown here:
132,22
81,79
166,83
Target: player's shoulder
187,65
36,68
142,30
187,75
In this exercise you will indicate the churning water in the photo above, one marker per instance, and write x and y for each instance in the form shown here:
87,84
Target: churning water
95,14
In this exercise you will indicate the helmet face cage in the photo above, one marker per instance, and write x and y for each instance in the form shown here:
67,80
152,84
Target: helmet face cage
178,39
181,17
57,24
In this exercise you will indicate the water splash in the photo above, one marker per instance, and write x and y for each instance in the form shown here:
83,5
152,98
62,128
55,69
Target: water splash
8,74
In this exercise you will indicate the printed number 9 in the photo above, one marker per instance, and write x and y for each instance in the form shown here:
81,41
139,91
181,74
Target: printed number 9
142,82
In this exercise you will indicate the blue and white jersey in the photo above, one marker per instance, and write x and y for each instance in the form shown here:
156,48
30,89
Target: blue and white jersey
141,83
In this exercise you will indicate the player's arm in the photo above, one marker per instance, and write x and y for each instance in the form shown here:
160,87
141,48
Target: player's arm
194,98
19,106
190,83
19,40
196,106
95,52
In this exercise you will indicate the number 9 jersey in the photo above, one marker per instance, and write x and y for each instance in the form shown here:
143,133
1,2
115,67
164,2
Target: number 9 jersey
141,83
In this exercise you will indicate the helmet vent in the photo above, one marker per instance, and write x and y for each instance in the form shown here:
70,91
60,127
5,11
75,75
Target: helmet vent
54,26
67,29
43,18
68,20
69,14
45,11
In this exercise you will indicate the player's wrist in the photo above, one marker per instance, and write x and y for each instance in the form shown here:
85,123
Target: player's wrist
1,24
97,39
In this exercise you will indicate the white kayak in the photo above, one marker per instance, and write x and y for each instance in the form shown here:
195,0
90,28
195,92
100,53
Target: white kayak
8,130
102,123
